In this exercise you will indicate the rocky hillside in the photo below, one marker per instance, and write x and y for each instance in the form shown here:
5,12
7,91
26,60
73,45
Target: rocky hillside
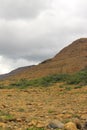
72,58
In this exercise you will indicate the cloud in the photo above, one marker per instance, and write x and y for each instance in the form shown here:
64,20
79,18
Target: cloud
34,30
7,64
21,9
4,65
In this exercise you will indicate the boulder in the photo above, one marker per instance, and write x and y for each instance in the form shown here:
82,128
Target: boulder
70,126
84,126
78,123
55,124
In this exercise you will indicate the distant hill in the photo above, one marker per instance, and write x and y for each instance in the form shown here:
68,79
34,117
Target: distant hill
14,72
71,59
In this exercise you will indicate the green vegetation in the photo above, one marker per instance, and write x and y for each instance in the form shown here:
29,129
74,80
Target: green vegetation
21,110
79,78
43,82
50,111
5,116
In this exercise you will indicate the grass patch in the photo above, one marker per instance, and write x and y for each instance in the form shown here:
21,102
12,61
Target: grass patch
76,87
9,95
21,110
5,116
41,82
68,88
79,78
50,111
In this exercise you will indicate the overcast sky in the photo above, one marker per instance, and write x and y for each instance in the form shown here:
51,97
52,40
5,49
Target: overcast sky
34,30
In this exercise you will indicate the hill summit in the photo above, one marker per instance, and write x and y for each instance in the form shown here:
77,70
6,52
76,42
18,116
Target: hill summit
71,59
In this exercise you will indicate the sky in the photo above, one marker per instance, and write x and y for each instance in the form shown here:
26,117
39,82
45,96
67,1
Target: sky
32,31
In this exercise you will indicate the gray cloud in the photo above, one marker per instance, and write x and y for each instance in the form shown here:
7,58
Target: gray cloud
21,9
34,30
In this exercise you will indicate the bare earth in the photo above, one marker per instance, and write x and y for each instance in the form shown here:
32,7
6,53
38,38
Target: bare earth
21,109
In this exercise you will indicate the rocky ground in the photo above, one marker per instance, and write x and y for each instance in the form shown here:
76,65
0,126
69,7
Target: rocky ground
22,109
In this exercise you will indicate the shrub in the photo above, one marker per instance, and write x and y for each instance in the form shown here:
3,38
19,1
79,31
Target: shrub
77,78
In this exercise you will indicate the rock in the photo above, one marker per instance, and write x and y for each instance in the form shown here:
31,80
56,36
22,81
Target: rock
33,123
19,120
70,126
3,125
55,124
67,116
40,125
84,117
78,123
64,111
84,126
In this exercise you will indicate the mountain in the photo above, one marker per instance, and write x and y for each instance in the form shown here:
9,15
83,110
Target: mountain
71,59
16,71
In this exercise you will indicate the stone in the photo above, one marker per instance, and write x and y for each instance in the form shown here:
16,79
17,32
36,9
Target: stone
33,123
84,117
3,125
55,124
78,123
84,126
64,111
70,126
40,125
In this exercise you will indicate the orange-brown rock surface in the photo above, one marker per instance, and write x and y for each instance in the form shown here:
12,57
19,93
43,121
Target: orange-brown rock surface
21,109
